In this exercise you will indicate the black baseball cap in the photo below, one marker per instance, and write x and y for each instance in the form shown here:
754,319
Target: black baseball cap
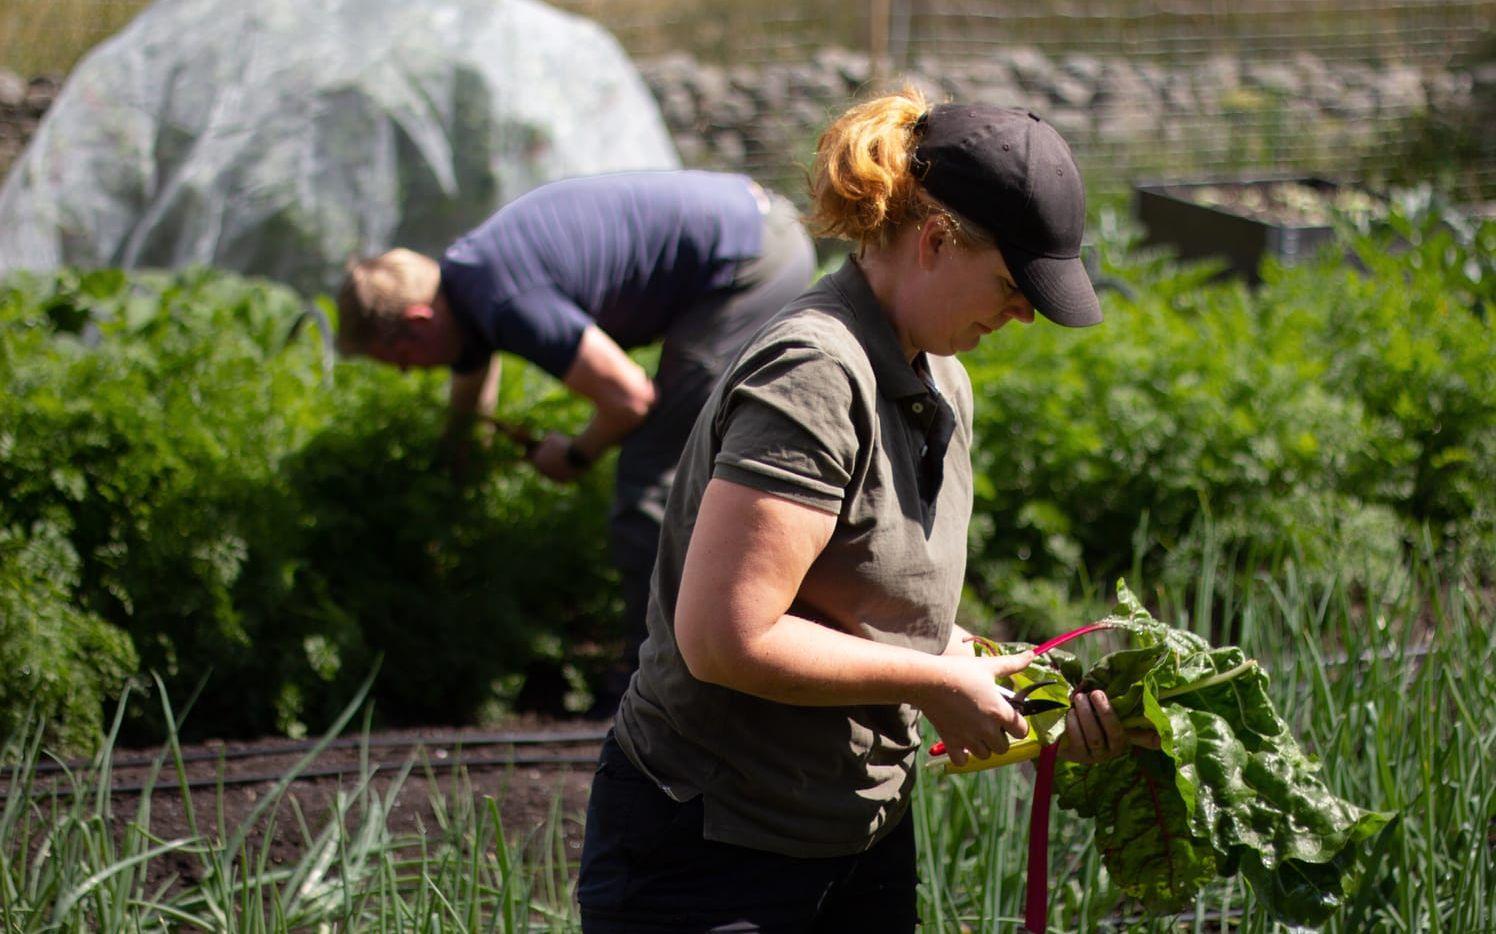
1009,171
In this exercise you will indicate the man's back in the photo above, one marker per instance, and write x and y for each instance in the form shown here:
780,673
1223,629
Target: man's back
625,251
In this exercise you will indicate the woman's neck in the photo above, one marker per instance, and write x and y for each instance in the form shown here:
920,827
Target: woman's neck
884,268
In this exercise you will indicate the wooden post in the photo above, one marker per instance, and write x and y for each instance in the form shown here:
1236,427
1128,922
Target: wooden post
877,39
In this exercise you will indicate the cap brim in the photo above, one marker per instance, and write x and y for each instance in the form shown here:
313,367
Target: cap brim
1059,289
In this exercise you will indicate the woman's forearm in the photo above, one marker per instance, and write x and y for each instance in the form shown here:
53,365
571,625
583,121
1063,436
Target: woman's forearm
749,554
798,661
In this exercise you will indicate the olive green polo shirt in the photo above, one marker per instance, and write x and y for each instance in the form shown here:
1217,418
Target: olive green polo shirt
821,408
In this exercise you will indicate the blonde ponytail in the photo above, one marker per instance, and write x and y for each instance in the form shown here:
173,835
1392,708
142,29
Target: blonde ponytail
861,188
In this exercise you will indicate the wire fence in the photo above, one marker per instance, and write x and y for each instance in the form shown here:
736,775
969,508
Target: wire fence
1369,90
1370,31
1353,89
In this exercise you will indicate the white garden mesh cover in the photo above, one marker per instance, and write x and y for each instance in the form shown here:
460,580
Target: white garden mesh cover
277,137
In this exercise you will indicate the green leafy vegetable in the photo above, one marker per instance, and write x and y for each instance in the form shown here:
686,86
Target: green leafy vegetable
1230,790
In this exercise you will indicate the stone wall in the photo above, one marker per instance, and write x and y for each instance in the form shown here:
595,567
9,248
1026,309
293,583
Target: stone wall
22,104
1220,114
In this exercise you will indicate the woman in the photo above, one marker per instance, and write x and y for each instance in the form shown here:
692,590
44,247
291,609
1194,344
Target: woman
802,610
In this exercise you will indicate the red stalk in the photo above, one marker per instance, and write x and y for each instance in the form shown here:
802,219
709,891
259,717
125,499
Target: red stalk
1060,640
1036,901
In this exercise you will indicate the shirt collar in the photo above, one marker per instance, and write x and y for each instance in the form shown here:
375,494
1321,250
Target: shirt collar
896,378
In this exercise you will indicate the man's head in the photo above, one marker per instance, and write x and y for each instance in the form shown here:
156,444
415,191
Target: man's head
390,308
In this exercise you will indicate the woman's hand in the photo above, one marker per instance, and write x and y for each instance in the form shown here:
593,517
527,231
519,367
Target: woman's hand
1093,733
967,709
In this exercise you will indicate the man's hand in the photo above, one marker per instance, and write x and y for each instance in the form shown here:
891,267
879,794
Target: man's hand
1094,734
455,452
550,458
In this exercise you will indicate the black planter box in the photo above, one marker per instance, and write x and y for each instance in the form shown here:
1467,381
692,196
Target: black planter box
1198,231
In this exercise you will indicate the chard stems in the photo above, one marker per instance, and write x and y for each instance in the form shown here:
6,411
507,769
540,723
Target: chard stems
1220,677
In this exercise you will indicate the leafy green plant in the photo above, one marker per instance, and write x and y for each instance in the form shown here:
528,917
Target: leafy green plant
1231,790
248,517
1382,684
1323,418
61,663
1414,340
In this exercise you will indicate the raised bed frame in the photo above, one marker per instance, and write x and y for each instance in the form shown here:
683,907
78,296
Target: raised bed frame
1199,231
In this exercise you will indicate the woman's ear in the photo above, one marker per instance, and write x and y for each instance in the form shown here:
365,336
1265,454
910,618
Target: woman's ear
934,236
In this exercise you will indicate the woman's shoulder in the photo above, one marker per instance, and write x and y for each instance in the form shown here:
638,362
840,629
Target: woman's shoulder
807,321
812,333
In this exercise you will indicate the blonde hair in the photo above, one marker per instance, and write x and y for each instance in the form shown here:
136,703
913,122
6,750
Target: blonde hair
862,185
376,292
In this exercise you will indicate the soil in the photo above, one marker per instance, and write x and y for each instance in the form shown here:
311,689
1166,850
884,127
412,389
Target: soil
447,766
1287,203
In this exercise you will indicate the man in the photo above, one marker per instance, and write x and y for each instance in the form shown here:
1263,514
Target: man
569,277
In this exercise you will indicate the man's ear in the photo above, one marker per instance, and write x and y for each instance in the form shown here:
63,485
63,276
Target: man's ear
417,313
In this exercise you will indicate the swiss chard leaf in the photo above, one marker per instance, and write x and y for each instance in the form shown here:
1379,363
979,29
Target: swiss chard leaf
1230,789
1142,828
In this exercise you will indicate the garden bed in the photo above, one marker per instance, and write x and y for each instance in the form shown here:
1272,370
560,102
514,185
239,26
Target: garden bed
1244,221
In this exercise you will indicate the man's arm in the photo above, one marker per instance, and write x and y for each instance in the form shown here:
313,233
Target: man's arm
474,393
469,395
619,389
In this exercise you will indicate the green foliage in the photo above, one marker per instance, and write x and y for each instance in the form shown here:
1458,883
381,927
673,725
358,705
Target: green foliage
247,517
61,663
245,513
1320,418
1386,683
1414,340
